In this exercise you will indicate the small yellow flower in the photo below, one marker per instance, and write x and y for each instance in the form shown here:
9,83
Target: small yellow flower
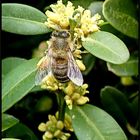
69,89
50,83
57,133
53,129
42,127
48,135
78,33
77,53
67,122
88,23
80,65
59,18
82,100
80,9
77,95
60,125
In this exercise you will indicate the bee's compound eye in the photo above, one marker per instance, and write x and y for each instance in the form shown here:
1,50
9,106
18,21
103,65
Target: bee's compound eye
55,34
61,34
65,34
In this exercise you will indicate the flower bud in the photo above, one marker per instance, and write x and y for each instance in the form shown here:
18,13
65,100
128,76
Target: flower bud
69,89
68,101
75,96
57,133
42,127
60,125
43,86
80,65
43,137
64,23
52,16
68,124
52,119
127,81
63,137
82,100
48,135
77,52
100,22
94,28
67,134
85,86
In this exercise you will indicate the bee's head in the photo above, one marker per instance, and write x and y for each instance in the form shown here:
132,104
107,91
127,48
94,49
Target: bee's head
61,34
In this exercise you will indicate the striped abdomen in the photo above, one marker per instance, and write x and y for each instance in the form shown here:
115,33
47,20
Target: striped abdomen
59,69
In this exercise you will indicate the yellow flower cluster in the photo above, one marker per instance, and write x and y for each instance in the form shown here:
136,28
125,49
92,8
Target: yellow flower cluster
75,94
50,83
60,16
67,122
54,128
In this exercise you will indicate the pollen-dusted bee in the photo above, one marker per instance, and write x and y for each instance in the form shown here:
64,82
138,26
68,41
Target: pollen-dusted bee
59,60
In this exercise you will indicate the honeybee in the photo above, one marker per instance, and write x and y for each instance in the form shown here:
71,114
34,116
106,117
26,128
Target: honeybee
59,60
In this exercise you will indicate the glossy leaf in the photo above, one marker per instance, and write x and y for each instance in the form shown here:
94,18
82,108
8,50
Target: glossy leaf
96,7
130,68
18,83
22,132
89,61
11,63
82,3
116,103
106,46
121,14
8,121
23,19
36,89
92,123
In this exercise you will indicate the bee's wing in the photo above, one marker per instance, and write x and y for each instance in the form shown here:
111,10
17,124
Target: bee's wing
74,73
43,71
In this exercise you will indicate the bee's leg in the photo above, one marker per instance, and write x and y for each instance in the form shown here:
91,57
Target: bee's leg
72,47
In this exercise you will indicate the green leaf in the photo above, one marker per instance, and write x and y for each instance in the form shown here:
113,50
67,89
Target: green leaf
121,14
11,63
82,3
23,19
36,89
130,68
8,121
106,46
89,62
96,7
17,83
92,123
135,107
20,131
116,103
